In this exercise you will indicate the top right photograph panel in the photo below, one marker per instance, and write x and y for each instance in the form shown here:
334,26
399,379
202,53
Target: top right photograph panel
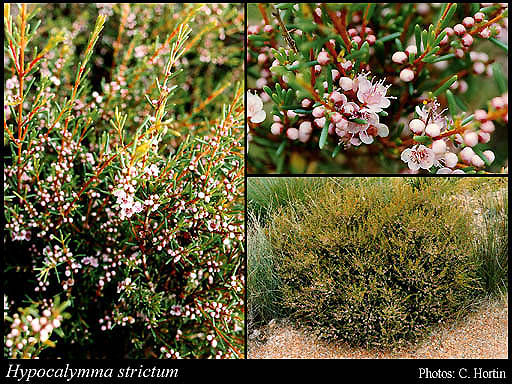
377,88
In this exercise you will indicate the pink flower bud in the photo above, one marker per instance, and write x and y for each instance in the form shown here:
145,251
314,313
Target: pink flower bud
488,127
262,58
290,114
292,133
439,147
371,39
479,16
357,39
276,128
352,32
477,161
306,103
347,65
433,130
467,40
268,28
459,53
323,58
399,57
484,137
276,118
459,29
479,67
417,126
480,115
336,97
444,40
335,74
346,83
450,159
489,155
318,68
449,31
406,75
485,33
467,154
411,49
468,22
320,122
470,139
318,111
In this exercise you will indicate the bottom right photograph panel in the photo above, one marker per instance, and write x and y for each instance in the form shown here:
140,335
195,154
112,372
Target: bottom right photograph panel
377,267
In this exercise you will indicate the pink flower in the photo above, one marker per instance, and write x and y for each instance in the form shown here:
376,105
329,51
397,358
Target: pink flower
255,111
373,96
418,157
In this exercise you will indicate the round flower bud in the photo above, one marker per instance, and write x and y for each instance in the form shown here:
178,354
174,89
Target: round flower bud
433,130
488,127
346,83
449,31
459,53
399,57
371,39
276,128
470,139
406,75
467,154
320,122
480,115
318,111
468,22
479,67
459,29
268,28
479,16
335,74
467,40
306,103
439,146
357,40
305,126
352,32
489,155
323,58
292,133
336,97
291,114
411,49
417,126
477,161
485,33
450,159
484,137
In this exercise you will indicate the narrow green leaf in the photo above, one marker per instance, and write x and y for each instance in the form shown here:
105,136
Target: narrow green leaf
499,43
323,135
448,16
417,36
499,78
445,86
452,106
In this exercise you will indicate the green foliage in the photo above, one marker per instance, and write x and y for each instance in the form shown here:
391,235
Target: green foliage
375,264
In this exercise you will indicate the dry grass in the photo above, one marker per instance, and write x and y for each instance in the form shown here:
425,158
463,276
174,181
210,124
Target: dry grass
483,335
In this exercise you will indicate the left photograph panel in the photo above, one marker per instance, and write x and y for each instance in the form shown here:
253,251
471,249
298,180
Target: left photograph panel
124,181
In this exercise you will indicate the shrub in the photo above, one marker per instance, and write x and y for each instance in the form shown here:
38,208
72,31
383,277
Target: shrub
374,264
124,180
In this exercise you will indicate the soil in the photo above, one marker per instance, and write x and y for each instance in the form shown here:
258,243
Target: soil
483,335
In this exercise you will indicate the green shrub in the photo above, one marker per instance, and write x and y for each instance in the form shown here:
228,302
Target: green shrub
374,264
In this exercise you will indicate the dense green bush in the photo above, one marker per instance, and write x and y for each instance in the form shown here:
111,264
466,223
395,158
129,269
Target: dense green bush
375,264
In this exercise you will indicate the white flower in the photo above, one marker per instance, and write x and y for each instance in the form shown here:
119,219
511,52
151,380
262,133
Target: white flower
255,111
418,157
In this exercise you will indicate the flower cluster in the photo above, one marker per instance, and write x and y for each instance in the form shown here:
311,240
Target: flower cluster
310,64
123,179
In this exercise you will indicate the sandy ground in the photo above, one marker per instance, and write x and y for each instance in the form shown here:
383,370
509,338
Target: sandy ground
483,335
